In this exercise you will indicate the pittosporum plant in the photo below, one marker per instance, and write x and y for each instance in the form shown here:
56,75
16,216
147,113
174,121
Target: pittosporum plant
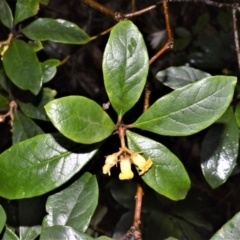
35,165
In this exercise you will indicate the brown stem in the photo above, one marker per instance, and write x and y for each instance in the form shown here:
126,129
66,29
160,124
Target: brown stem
101,34
147,94
138,207
10,113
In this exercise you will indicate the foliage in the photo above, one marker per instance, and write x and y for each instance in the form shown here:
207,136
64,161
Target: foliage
56,165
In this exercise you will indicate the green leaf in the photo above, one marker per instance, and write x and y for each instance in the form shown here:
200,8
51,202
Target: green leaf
24,128
167,176
176,77
25,9
35,45
9,235
189,109
237,114
80,119
58,30
229,230
29,233
125,66
49,69
44,2
201,23
3,101
22,67
3,218
6,16
104,238
220,150
77,203
40,164
63,232
3,80
33,106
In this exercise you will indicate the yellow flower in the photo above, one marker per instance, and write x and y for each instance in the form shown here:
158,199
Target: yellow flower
141,163
110,161
126,171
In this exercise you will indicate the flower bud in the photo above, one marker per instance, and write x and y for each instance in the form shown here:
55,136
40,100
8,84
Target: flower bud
110,161
126,171
141,163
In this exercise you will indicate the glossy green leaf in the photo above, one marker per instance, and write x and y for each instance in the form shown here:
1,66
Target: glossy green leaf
63,232
24,128
77,203
220,150
237,114
22,67
189,109
3,101
125,66
25,9
40,164
35,45
49,69
167,176
3,218
230,230
33,106
6,16
58,30
29,233
176,77
9,235
80,119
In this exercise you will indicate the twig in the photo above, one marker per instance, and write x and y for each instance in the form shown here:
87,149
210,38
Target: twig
147,94
236,38
10,113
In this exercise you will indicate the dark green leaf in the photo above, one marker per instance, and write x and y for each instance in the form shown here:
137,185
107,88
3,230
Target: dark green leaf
237,114
3,218
80,119
201,23
40,164
44,2
3,80
229,230
189,109
58,30
22,66
9,235
125,66
25,9
36,45
63,232
220,150
77,203
176,77
167,176
29,233
24,128
224,19
49,69
33,106
6,16
3,101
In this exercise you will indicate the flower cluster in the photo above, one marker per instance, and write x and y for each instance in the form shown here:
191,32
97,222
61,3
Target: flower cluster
125,160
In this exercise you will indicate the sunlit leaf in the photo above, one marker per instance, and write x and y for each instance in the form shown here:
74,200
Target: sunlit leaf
29,233
167,176
80,119
189,109
9,235
58,30
175,77
22,66
77,203
220,150
125,66
40,164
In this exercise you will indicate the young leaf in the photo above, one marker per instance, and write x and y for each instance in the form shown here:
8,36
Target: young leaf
24,128
49,69
63,232
189,109
77,203
80,119
40,164
58,30
6,16
167,176
229,230
29,233
176,77
22,66
25,9
3,218
220,150
125,66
